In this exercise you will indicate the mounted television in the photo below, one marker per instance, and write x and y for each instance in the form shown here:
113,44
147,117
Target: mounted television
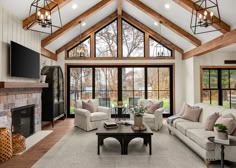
24,62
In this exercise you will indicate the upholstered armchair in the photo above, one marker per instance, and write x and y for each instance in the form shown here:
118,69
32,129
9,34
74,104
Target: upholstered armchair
87,120
153,119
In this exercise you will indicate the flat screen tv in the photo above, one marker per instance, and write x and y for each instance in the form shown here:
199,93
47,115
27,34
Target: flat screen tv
24,62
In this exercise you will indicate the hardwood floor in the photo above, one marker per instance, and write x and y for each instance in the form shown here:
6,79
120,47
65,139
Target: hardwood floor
31,156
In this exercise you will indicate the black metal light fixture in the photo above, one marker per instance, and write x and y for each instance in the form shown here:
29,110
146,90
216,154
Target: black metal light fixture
204,14
159,49
81,50
42,11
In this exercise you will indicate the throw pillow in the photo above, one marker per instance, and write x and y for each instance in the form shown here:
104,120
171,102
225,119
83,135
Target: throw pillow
192,113
88,106
210,121
95,103
228,122
148,104
154,107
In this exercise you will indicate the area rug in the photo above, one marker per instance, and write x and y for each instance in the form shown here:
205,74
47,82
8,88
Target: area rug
35,138
79,149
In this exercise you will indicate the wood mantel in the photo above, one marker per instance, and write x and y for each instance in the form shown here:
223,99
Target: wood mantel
15,85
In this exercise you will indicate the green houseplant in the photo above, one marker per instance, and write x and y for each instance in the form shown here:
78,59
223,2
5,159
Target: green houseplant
138,112
221,131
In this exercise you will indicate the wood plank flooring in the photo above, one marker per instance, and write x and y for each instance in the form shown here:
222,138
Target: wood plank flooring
27,159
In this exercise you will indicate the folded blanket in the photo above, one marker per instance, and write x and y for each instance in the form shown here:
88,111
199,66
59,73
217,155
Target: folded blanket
171,119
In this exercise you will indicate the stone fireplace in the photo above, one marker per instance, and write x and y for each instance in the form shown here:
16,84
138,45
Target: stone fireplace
15,96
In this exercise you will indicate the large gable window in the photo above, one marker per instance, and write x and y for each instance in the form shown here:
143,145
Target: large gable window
80,50
156,49
106,41
133,41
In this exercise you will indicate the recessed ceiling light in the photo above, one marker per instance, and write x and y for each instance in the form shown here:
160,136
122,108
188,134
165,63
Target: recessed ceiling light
155,23
74,6
167,6
83,24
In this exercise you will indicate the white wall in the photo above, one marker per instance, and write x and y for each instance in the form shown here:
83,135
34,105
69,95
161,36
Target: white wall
192,72
11,29
179,82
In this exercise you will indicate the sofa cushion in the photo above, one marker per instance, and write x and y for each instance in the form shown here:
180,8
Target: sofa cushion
192,113
179,120
200,137
183,126
210,121
98,116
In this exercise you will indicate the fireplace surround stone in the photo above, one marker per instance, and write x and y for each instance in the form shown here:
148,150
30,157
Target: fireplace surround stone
14,97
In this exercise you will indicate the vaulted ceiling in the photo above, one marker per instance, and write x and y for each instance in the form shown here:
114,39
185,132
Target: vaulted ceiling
175,19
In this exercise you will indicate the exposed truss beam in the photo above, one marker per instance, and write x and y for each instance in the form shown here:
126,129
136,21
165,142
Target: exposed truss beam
48,53
84,35
119,29
74,22
119,8
219,42
188,5
170,25
30,21
155,35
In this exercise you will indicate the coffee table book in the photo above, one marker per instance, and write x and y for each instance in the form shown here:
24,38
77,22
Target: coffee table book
110,124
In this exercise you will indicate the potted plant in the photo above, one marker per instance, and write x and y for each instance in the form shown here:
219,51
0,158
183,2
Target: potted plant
138,115
221,131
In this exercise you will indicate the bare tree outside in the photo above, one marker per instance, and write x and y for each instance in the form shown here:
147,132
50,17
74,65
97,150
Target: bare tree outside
133,78
106,41
133,41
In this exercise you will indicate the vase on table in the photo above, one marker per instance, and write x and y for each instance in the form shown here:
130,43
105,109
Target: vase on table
138,121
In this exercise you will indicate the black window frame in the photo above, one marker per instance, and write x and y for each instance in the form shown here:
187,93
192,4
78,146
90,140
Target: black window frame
219,88
171,71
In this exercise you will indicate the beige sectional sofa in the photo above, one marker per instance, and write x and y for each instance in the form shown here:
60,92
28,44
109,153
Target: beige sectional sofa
195,136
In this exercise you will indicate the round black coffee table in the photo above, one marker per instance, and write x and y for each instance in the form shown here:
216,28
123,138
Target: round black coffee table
222,145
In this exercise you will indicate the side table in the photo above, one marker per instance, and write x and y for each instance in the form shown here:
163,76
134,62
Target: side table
222,146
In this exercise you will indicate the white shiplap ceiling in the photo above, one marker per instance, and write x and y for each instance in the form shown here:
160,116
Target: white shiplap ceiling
175,13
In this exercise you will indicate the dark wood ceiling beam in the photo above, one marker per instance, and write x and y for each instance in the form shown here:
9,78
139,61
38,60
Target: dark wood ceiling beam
30,21
188,5
74,22
151,32
170,25
48,53
219,42
84,35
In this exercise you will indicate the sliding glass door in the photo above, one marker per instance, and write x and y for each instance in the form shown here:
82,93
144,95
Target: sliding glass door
128,84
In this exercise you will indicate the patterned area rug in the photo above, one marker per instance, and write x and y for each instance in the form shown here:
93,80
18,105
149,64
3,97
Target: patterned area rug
79,149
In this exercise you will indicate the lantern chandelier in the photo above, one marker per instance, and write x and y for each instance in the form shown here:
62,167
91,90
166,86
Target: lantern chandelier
204,14
81,50
42,11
